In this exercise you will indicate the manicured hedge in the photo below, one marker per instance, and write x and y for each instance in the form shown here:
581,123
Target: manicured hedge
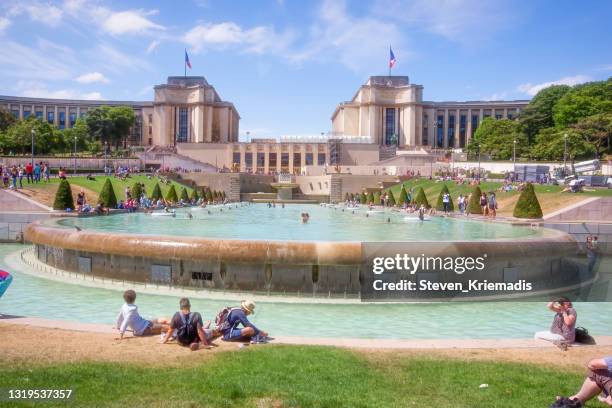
420,198
403,197
528,205
107,196
474,203
156,194
171,194
184,195
63,196
440,204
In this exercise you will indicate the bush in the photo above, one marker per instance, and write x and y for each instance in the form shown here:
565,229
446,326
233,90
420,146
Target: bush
377,198
137,191
403,197
184,195
391,199
370,197
194,195
420,198
363,199
528,205
63,197
156,194
171,194
474,203
107,195
440,204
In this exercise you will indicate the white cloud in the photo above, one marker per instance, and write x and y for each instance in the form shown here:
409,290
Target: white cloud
360,43
498,96
4,23
113,60
45,61
459,20
257,40
130,22
153,46
45,13
36,89
532,89
91,77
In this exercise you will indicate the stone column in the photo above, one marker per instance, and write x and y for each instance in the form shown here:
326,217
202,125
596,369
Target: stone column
56,116
303,150
242,149
468,127
20,111
279,155
290,149
505,113
481,118
445,129
266,158
457,128
208,124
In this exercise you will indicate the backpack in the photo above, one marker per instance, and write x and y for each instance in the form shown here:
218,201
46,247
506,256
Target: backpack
583,336
186,334
222,321
564,402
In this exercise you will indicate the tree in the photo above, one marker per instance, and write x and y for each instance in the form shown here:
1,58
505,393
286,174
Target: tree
110,124
156,194
363,199
391,199
528,205
100,124
496,138
347,197
137,190
596,130
123,119
538,114
421,198
582,101
184,195
80,131
370,197
171,195
46,137
209,196
440,203
377,198
107,195
550,145
403,197
474,202
7,119
63,196
194,195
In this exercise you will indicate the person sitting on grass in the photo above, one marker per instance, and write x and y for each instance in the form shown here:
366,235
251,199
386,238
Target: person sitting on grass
190,330
130,318
599,380
229,323
563,329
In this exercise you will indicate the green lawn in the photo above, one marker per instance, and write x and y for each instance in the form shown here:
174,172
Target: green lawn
118,184
292,376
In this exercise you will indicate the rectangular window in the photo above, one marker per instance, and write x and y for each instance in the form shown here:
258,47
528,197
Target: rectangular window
297,159
425,135
261,159
474,123
182,136
248,160
50,117
390,137
451,131
309,159
236,159
208,276
15,113
62,120
39,114
272,161
72,118
510,116
284,159
498,116
462,131
440,131
26,114
321,159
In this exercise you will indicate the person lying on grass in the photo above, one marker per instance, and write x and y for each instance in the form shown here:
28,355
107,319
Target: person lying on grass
129,317
599,380
190,330
229,320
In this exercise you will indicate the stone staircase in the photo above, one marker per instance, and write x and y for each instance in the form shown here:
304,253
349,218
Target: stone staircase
169,158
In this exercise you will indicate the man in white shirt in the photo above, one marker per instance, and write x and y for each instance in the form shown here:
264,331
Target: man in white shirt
130,318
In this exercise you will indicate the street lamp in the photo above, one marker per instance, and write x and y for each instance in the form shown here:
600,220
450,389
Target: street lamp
33,134
106,158
514,160
75,155
564,154
478,152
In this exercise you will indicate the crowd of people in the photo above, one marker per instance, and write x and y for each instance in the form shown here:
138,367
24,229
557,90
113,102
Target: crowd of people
187,328
12,176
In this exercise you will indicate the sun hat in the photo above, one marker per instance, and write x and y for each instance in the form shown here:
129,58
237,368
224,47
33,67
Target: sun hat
248,305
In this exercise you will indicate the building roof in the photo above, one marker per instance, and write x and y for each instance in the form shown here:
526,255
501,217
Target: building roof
46,101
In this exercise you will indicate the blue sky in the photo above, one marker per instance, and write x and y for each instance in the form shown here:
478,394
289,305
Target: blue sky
286,64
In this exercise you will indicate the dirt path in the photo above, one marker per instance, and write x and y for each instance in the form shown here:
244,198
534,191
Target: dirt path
28,345
45,194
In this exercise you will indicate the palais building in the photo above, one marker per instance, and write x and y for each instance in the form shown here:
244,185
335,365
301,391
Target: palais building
386,118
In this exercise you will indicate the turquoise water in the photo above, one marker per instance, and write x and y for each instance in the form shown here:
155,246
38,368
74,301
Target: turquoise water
32,296
257,221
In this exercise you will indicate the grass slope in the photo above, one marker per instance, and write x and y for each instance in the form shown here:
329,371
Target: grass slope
292,376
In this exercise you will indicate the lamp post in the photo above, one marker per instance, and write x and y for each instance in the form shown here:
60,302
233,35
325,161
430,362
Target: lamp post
75,155
33,134
514,160
105,158
478,152
564,154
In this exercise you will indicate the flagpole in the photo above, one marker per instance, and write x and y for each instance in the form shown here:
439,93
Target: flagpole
389,62
185,63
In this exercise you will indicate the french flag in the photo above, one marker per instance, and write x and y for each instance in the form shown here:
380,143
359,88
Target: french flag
187,62
392,59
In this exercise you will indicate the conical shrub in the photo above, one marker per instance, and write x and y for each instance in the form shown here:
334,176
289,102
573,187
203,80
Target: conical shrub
209,195
363,198
171,194
107,196
421,198
391,199
377,198
137,190
370,197
184,195
194,194
528,205
156,194
403,196
474,203
63,196
440,203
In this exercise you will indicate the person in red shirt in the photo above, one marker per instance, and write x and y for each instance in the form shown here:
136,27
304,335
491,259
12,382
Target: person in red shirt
29,168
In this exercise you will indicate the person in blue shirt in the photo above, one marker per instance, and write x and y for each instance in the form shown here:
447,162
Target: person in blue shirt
239,327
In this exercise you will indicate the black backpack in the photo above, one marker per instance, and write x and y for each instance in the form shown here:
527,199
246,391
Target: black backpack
186,334
583,336
564,402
